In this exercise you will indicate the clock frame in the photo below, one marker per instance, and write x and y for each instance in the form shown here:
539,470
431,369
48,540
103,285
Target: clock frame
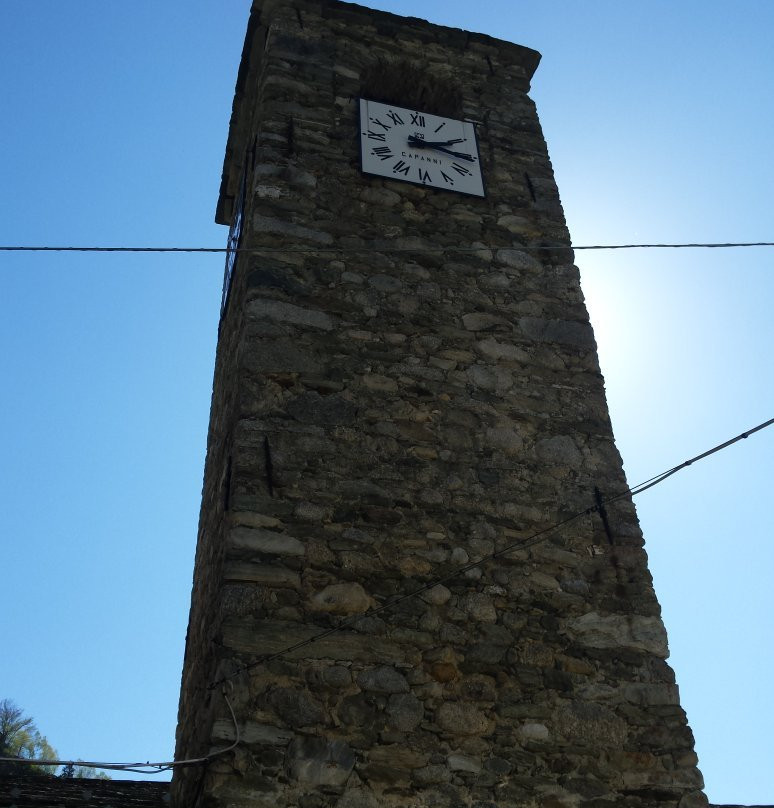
408,145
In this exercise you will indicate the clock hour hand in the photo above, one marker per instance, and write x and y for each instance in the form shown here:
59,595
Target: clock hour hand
418,143
440,142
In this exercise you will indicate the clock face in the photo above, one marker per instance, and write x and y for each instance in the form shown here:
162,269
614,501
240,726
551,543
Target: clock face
404,144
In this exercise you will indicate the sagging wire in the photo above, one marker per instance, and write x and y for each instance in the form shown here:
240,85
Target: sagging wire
148,767
536,538
531,541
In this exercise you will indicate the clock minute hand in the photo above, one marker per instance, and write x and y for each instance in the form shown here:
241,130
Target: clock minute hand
418,143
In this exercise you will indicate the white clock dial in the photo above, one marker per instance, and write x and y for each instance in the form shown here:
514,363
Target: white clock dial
412,146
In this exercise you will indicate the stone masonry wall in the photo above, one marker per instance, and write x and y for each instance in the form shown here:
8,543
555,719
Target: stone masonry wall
384,412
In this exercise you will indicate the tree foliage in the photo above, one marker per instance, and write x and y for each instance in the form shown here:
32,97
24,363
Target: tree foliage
20,738
71,770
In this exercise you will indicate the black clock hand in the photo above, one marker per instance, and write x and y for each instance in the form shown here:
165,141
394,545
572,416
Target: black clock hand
439,142
418,143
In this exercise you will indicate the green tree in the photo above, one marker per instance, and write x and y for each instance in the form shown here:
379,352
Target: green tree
71,770
20,738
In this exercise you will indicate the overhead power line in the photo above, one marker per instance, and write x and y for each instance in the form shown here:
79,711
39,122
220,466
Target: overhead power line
386,248
523,544
536,538
138,768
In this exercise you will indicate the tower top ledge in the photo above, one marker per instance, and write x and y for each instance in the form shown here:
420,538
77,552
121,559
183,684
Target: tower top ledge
379,24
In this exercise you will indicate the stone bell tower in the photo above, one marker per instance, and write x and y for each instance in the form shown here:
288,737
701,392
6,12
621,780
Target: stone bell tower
406,385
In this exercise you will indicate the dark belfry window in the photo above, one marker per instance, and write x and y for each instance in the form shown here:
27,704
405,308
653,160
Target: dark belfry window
234,239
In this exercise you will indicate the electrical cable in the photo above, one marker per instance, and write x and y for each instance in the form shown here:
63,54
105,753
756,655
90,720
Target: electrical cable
141,768
711,245
523,544
535,538
385,248
660,478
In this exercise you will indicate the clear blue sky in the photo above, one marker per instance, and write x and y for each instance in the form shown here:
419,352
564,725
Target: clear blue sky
658,117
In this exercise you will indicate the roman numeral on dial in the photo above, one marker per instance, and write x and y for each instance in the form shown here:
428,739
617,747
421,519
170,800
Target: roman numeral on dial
417,119
382,152
424,176
401,168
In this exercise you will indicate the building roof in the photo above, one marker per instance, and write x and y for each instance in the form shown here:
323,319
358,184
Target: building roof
56,792
81,792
